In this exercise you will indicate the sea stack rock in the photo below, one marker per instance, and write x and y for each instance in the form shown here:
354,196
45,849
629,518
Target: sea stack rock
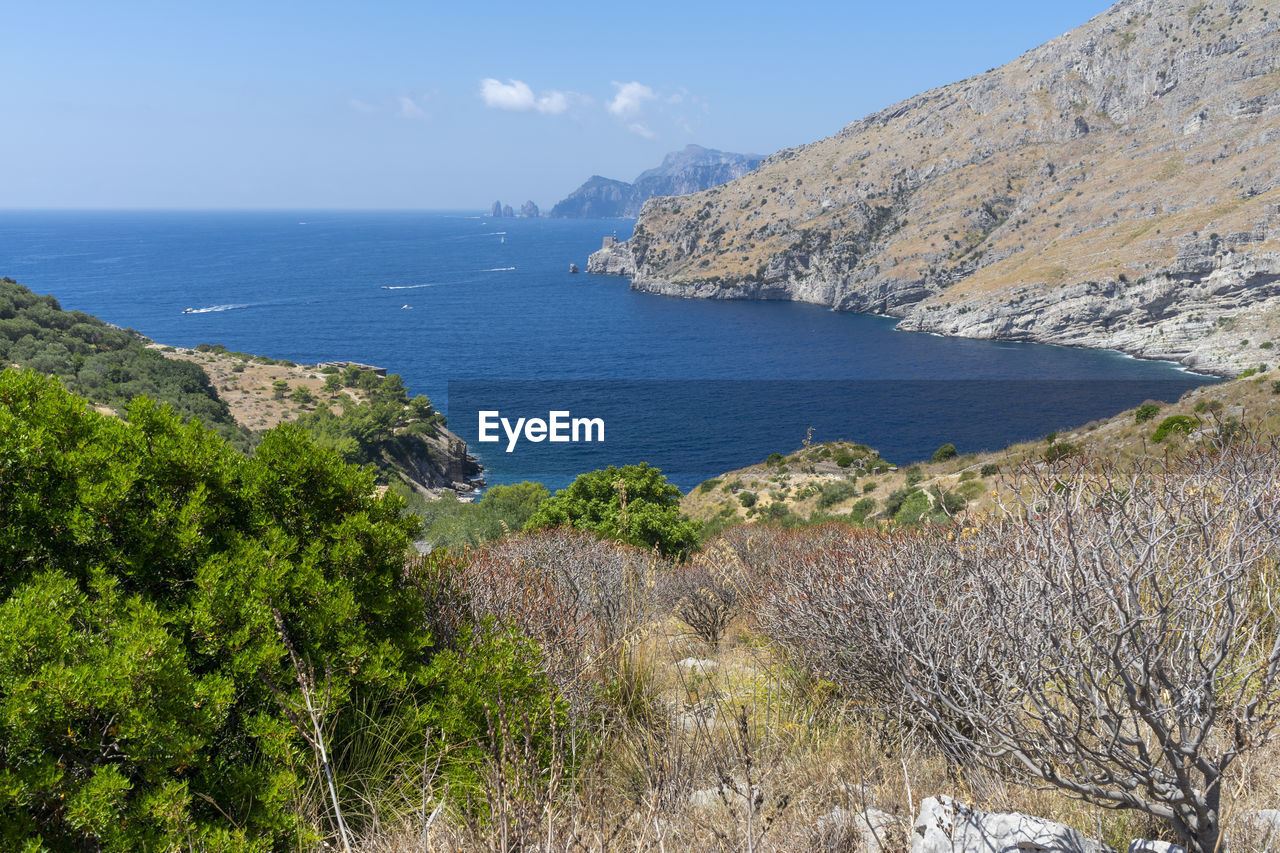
613,258
507,212
573,269
529,210
496,210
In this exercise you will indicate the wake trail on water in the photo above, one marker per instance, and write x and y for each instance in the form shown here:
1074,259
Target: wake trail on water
405,286
214,308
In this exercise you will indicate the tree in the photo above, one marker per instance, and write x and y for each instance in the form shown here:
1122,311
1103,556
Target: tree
633,504
945,452
279,388
1114,635
332,385
302,395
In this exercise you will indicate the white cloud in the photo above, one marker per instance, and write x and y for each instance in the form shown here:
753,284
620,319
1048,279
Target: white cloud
361,106
553,102
515,95
628,101
409,109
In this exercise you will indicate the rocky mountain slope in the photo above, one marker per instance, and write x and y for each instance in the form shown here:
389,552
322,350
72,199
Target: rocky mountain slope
1115,187
689,170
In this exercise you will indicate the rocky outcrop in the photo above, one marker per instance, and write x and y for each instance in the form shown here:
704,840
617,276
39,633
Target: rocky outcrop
1115,187
433,464
613,258
529,210
689,170
945,826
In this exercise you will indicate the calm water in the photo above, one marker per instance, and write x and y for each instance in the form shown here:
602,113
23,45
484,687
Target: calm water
493,300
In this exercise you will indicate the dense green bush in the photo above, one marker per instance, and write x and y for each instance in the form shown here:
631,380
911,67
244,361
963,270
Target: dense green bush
945,452
1146,412
747,499
449,522
1184,424
152,583
633,504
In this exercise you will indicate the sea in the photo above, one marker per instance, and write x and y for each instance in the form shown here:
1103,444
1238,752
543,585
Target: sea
484,315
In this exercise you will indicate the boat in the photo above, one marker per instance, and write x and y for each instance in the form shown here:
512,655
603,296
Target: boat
188,310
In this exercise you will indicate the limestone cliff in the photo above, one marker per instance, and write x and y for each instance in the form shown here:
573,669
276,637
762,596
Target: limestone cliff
1115,187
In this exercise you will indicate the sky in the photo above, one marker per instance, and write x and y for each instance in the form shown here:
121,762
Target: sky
430,105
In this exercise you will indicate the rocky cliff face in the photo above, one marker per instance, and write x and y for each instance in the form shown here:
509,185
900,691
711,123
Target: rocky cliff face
1115,187
613,258
689,170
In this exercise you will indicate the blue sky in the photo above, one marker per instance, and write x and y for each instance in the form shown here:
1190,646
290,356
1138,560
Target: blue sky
449,106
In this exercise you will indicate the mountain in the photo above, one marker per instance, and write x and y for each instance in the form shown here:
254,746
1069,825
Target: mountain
689,170
1115,187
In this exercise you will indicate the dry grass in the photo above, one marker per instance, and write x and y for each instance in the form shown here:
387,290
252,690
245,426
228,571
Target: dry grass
246,387
755,758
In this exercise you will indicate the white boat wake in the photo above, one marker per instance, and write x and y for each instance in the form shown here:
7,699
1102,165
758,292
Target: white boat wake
212,309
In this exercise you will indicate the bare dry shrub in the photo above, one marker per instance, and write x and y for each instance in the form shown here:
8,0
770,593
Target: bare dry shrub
705,593
580,597
1114,633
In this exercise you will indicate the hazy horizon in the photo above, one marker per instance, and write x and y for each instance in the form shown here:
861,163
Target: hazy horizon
393,106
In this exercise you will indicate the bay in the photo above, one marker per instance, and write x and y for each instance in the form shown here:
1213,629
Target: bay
695,387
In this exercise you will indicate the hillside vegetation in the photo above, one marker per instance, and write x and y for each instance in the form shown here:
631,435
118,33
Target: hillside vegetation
368,419
206,651
103,363
838,481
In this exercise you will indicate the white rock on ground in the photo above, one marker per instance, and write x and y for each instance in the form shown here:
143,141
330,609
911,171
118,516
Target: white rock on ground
945,826
870,831
1143,845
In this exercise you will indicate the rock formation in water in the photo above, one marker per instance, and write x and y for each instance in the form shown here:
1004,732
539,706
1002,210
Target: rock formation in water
689,170
529,210
1115,187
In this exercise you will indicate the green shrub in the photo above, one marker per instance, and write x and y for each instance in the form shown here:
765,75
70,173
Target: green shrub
175,573
914,475
913,508
1145,412
1275,387
594,501
774,459
1252,371
1184,424
862,509
747,499
868,487
965,476
1060,450
708,485
972,489
945,452
836,492
1207,406
844,460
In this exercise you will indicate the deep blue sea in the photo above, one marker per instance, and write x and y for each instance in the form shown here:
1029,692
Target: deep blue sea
690,386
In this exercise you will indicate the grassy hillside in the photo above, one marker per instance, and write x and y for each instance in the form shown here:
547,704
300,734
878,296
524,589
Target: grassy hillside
810,485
